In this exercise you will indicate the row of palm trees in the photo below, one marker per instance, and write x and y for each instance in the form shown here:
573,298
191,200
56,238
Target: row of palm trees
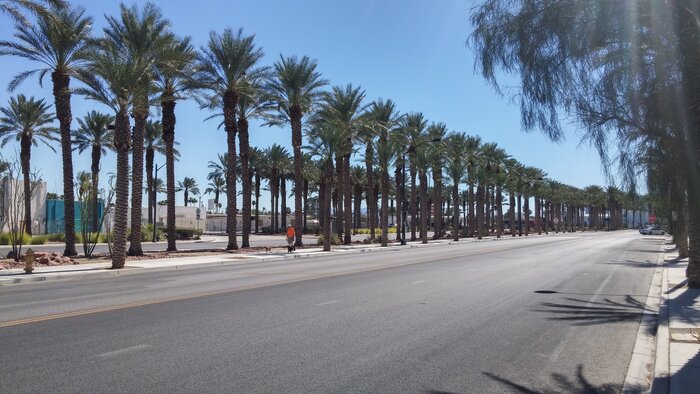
138,62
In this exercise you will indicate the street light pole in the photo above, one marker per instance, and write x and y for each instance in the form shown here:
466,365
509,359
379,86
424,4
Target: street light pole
155,199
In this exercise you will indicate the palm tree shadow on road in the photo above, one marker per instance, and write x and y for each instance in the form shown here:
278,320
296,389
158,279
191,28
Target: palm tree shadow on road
564,384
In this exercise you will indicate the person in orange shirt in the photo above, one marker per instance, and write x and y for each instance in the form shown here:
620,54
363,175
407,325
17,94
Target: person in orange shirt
290,235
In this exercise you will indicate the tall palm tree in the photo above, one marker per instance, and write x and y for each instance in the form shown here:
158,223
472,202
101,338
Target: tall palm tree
383,118
472,158
154,143
252,104
187,186
222,67
217,185
324,141
94,133
295,88
436,158
413,127
140,34
58,41
27,121
174,72
256,169
456,147
342,108
112,80
277,156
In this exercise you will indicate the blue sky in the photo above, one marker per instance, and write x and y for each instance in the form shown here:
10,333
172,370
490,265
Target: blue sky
411,51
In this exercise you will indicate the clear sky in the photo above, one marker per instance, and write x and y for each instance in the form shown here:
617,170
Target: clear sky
412,51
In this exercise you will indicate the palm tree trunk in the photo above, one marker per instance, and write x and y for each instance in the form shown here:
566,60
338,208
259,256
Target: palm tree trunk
526,202
185,195
283,202
479,211
511,211
499,211
62,97
399,200
487,210
339,217
295,115
230,102
347,198
538,206
137,183
306,203
413,202
437,202
96,155
385,206
424,208
149,183
455,213
520,215
25,157
471,222
245,176
121,206
357,201
168,120
257,200
371,202
327,190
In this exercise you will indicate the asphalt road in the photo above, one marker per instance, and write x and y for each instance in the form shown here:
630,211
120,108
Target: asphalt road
537,314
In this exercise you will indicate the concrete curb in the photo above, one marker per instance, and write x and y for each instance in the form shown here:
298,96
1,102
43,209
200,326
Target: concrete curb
641,371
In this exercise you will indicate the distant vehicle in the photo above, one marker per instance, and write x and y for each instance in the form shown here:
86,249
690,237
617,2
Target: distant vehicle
651,230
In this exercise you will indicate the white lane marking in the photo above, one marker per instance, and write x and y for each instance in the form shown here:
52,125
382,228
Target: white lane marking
328,302
122,351
417,282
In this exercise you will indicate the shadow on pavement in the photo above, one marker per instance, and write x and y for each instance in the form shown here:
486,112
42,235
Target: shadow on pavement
564,384
586,313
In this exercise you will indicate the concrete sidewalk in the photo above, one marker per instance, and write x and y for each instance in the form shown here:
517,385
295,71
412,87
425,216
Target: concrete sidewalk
677,366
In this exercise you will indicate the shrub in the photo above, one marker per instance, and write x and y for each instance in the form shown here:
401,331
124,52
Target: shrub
267,230
4,239
57,237
38,240
392,229
335,239
188,233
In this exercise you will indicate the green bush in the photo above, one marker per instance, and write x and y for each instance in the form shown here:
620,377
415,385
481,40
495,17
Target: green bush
188,233
335,239
392,229
57,237
5,239
38,240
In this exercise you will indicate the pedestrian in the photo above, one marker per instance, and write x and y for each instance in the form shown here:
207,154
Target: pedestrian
290,238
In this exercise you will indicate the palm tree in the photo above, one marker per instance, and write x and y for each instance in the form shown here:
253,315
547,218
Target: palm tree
187,186
222,67
295,88
220,168
412,129
141,35
252,104
256,169
217,185
342,108
383,119
456,148
112,80
154,143
436,158
358,179
14,8
58,41
27,121
276,156
94,133
174,81
324,142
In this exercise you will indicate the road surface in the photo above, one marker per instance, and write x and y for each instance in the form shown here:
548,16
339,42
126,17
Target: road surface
536,314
